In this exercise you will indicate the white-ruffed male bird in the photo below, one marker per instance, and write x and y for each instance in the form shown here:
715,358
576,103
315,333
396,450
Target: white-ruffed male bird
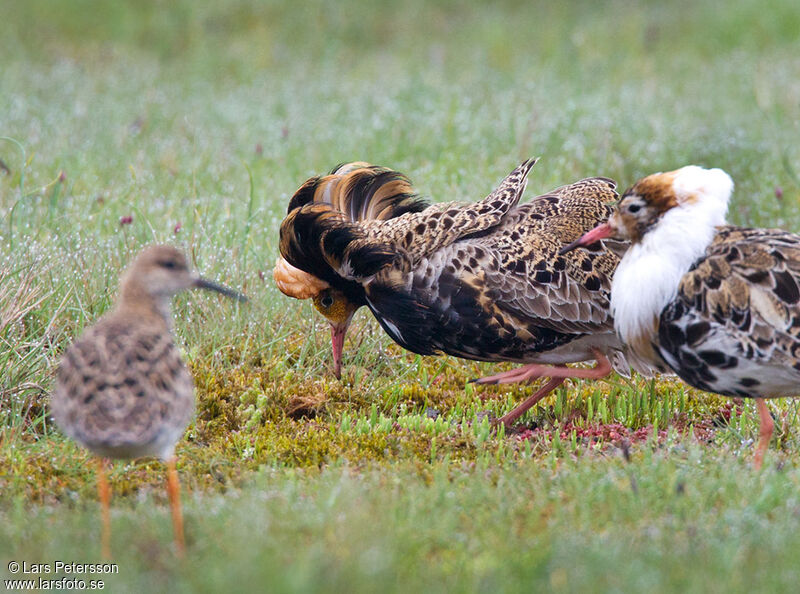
717,304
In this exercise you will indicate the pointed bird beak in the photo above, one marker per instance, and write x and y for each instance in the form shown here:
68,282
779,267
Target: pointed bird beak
600,232
338,332
202,283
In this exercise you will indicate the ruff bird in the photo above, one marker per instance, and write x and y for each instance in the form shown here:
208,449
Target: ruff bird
717,304
359,192
481,281
122,390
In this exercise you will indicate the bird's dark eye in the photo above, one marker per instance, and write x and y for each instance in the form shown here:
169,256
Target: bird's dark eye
169,264
634,207
326,301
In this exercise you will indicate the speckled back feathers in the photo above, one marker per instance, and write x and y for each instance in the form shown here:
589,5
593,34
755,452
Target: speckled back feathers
737,313
122,389
478,280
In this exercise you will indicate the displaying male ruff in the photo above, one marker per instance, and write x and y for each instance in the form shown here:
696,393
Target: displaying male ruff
482,281
720,305
122,390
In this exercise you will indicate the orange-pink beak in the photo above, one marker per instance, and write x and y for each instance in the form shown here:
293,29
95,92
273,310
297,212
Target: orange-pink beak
603,231
338,332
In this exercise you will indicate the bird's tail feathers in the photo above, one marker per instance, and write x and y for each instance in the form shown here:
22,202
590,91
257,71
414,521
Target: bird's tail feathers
507,195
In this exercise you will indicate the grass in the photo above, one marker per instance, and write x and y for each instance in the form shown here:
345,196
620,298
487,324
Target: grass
198,121
663,521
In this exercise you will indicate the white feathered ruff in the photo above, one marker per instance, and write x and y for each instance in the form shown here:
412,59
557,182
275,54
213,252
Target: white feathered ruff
648,276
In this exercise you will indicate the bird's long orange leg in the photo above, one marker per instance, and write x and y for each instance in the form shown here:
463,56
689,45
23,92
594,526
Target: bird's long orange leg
535,370
104,494
766,428
519,410
174,492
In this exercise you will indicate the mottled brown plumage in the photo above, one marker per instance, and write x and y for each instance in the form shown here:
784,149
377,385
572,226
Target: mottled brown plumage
734,326
482,280
122,390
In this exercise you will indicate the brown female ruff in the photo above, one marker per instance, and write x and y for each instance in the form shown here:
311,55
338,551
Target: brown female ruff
122,390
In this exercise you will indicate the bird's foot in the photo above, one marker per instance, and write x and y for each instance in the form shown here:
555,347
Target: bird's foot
526,373
532,371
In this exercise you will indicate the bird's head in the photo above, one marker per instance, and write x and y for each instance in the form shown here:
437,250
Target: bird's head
162,271
329,301
338,310
704,192
157,273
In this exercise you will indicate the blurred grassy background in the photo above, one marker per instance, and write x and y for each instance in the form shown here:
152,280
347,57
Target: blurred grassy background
200,119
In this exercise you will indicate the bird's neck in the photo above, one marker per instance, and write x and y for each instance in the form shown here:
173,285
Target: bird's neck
136,299
650,272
